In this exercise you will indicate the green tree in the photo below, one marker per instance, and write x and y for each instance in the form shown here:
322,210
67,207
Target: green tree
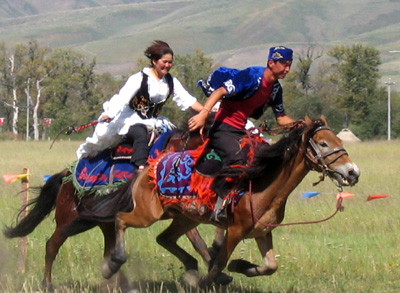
70,92
356,74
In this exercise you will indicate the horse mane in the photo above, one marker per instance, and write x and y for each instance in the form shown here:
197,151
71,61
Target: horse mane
272,157
268,160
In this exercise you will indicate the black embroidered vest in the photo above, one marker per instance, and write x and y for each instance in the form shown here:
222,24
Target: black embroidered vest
141,101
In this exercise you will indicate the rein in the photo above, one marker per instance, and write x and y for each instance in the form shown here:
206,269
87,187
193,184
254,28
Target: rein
281,128
319,160
176,165
339,207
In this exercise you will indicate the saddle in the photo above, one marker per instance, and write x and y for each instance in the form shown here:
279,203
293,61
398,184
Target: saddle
110,168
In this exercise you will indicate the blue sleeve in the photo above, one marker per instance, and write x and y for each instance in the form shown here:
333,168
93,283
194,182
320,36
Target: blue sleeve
238,83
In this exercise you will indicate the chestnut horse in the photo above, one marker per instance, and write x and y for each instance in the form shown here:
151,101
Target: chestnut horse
267,182
62,196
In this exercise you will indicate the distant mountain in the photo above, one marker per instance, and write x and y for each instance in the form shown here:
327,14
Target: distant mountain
234,32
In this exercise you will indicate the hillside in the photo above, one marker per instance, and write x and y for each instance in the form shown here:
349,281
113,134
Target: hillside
235,33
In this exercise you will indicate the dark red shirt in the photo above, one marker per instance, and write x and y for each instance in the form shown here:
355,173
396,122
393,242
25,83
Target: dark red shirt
236,113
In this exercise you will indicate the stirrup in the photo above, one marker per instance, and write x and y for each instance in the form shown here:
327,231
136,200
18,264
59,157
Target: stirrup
219,216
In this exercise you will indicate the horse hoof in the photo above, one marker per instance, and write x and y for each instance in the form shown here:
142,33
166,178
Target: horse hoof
108,269
204,283
223,279
192,278
48,287
240,266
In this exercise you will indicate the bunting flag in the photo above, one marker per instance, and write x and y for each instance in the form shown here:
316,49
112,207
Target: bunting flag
376,196
309,194
9,178
344,195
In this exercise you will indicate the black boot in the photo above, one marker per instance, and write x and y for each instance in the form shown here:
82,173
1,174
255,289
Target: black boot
219,214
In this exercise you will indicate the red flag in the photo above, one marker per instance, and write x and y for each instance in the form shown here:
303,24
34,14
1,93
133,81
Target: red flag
8,178
376,196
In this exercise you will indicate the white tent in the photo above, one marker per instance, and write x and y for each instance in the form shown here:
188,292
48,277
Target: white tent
347,135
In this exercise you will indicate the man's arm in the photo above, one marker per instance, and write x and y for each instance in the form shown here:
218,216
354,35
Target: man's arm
198,121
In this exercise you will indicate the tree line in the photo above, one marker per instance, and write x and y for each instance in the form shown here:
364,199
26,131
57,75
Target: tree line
43,90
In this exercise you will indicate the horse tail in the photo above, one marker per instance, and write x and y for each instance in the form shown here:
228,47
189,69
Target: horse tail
102,210
42,206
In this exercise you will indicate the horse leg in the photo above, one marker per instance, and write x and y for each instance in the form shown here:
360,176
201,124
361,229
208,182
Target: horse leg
121,281
208,254
65,213
265,246
168,239
147,210
217,242
230,241
52,247
108,230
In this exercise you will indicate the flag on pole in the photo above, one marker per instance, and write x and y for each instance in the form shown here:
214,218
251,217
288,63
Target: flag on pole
9,178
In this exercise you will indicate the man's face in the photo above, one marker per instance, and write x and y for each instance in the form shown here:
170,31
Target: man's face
280,68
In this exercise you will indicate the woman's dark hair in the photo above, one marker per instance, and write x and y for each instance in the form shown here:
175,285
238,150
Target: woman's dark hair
157,49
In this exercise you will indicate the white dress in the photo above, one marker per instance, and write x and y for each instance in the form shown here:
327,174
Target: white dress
117,108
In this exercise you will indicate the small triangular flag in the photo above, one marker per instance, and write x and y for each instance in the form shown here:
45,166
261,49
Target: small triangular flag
376,196
344,195
9,178
309,194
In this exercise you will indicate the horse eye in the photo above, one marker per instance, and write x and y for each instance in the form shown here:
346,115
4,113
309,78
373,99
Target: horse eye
323,144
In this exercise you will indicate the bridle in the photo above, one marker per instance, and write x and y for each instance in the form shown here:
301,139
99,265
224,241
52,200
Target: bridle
318,159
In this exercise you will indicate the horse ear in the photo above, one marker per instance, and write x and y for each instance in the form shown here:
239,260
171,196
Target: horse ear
308,120
323,118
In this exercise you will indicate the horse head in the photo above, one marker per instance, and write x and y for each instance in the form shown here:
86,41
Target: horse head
325,153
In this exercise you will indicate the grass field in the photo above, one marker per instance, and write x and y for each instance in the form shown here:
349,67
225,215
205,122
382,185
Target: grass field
356,251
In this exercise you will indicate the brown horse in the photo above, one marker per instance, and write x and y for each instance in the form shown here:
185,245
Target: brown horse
62,196
274,173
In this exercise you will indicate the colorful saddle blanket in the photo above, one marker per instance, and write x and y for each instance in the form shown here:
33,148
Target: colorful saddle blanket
110,168
178,178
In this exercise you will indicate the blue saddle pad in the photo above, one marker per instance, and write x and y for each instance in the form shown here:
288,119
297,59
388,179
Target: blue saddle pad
102,171
107,169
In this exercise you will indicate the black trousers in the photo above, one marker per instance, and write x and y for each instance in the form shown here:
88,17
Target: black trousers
138,136
225,140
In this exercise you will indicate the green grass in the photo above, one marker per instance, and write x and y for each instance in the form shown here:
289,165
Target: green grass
356,251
